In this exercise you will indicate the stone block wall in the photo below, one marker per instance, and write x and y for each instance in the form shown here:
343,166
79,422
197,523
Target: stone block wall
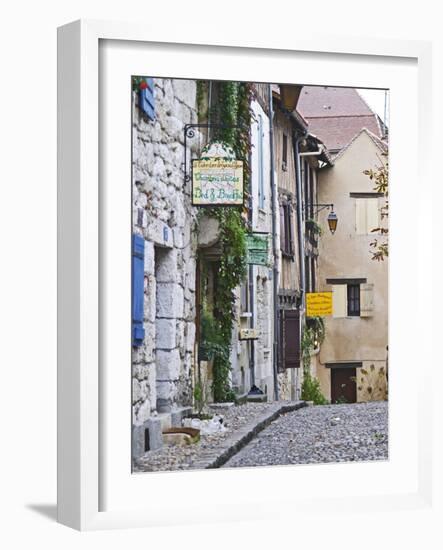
163,215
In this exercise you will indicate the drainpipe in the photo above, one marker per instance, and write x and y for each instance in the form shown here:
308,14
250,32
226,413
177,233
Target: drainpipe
253,389
251,308
312,153
275,274
300,232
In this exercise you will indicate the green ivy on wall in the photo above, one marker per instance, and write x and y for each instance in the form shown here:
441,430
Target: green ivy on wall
232,108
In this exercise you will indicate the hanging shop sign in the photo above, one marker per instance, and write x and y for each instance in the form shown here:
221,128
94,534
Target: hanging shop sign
249,334
258,248
318,304
217,177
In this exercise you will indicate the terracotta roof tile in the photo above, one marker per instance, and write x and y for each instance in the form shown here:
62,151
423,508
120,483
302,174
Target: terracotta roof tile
336,115
337,132
324,101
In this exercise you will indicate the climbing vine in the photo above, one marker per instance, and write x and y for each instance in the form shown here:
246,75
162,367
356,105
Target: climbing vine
202,90
314,227
232,111
313,335
380,178
139,83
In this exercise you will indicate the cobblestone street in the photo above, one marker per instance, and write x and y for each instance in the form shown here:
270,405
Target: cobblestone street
330,433
236,421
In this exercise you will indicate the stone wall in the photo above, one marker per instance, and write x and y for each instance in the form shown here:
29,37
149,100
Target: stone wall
286,381
163,215
264,317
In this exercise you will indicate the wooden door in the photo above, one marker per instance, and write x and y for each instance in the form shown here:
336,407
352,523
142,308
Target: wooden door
343,386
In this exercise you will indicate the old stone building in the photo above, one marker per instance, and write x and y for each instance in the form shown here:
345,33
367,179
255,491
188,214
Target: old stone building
176,258
165,248
253,360
298,158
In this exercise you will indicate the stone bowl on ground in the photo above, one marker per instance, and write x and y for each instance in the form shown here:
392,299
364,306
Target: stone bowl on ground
180,436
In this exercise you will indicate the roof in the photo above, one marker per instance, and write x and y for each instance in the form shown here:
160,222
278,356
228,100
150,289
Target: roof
377,141
336,115
336,133
324,101
296,115
314,143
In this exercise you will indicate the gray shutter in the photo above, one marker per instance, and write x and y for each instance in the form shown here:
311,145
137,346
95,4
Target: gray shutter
367,300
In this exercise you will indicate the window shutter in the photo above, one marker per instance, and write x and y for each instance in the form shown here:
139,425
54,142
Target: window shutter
282,229
372,215
291,339
280,350
366,300
138,277
339,300
146,99
290,231
360,217
367,216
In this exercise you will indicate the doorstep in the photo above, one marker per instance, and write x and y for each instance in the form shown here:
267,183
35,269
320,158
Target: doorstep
256,398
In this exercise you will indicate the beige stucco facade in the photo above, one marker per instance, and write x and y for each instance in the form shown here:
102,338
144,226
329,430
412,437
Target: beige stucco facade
345,258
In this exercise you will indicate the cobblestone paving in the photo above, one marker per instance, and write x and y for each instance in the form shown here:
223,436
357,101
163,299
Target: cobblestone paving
183,458
330,433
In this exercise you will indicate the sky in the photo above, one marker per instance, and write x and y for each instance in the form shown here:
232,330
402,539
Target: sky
376,101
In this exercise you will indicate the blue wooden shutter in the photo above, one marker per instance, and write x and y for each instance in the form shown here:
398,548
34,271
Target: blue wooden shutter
146,99
138,277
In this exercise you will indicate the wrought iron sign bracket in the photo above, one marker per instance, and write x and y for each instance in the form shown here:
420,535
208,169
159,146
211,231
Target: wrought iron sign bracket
321,207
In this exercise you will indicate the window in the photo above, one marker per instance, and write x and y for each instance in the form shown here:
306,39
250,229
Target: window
354,300
261,186
286,229
307,179
366,215
138,281
146,100
285,152
308,286
244,297
313,281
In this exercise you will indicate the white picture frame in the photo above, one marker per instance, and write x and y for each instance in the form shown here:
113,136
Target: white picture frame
84,466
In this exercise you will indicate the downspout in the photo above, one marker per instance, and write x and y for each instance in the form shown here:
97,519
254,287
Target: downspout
275,274
253,388
251,292
300,232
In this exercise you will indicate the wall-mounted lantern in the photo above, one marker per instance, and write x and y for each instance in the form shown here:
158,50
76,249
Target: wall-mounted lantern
332,218
332,221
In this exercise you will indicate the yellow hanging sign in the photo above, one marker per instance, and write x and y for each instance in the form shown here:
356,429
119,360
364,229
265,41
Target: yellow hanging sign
318,304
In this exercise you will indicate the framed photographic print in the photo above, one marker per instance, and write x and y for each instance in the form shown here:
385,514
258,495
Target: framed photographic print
232,257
